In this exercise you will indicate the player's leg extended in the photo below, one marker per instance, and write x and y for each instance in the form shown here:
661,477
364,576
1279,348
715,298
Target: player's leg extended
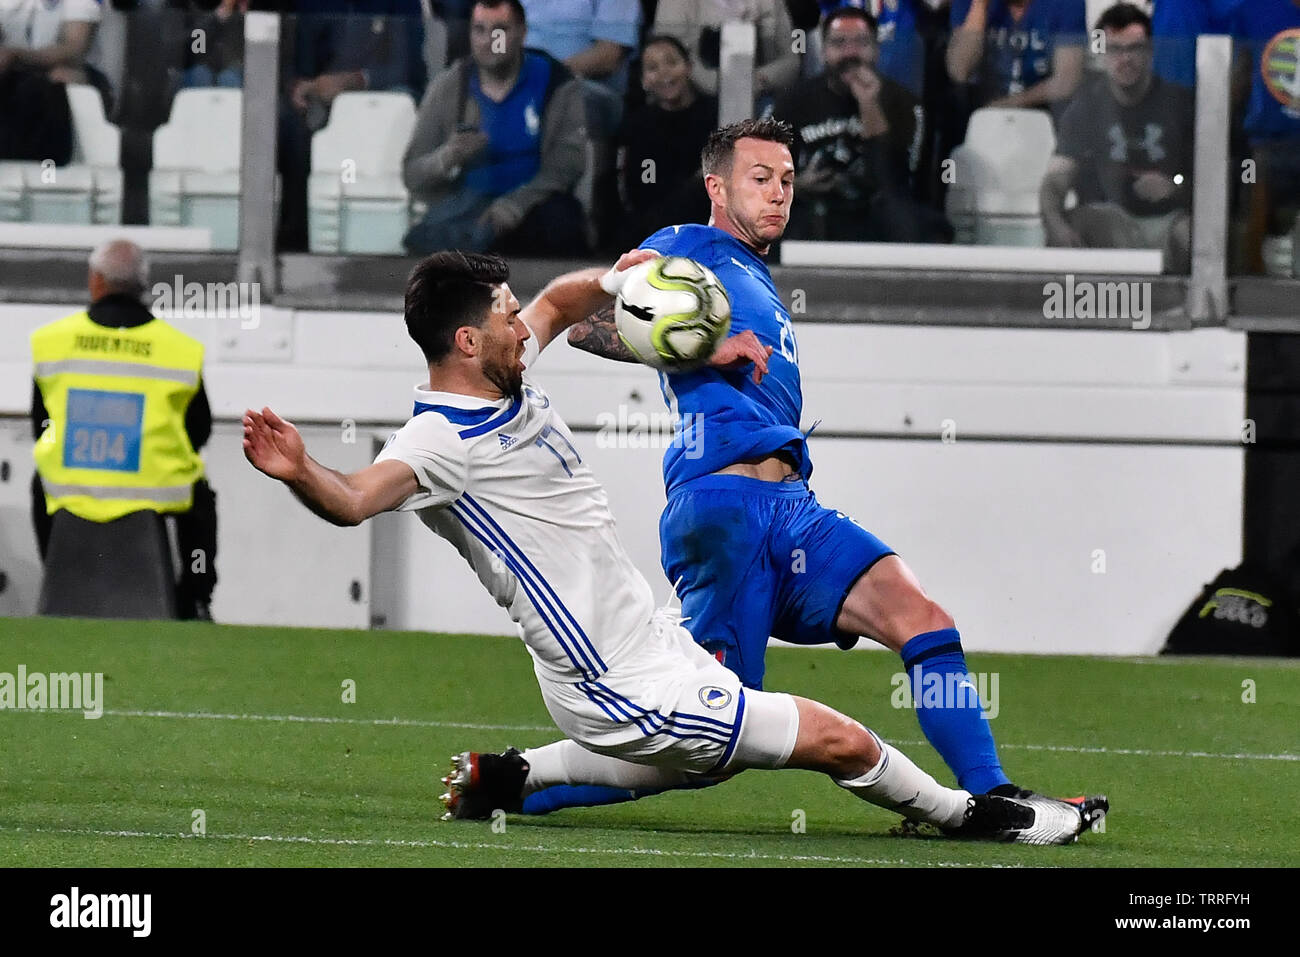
673,716
778,731
863,764
888,605
813,737
564,774
850,583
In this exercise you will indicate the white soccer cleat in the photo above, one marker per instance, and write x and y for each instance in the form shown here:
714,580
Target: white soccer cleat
1057,820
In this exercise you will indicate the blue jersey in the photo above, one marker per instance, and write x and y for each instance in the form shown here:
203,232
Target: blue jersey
514,130
1018,54
1273,112
1175,25
902,51
722,417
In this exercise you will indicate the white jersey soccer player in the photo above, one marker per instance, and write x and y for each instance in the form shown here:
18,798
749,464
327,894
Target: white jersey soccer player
487,463
504,483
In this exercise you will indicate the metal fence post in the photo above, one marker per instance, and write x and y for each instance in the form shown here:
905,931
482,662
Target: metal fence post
259,131
1207,292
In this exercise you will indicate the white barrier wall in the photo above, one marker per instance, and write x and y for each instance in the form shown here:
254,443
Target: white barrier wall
1088,484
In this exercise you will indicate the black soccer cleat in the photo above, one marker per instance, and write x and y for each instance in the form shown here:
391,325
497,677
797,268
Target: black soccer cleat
1057,820
993,818
481,783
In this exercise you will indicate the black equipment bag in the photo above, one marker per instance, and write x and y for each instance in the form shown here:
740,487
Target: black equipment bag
1244,611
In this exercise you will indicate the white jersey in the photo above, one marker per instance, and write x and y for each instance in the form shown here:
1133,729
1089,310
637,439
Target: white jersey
503,482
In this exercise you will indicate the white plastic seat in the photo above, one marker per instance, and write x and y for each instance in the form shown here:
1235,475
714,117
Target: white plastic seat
195,176
998,173
357,202
86,191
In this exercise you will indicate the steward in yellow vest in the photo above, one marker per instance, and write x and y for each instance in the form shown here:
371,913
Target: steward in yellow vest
119,412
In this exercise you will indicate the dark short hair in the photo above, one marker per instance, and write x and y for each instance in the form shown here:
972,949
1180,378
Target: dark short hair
516,8
672,41
449,290
720,150
1124,15
848,13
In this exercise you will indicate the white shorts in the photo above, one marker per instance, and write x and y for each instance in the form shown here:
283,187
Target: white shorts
670,703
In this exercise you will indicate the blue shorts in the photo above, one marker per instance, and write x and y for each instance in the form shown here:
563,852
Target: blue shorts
755,559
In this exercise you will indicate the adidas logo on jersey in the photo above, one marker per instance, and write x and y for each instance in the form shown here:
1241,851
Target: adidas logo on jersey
507,440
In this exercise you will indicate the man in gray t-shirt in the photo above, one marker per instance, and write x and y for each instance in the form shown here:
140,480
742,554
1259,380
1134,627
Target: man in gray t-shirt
1125,146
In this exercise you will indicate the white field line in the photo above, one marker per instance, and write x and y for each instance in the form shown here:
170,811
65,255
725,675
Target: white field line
484,846
328,719
417,723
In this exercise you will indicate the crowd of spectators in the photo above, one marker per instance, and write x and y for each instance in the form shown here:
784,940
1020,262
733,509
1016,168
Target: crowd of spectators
529,98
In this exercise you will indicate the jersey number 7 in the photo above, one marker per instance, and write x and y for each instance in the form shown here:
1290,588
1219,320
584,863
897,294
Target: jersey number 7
543,442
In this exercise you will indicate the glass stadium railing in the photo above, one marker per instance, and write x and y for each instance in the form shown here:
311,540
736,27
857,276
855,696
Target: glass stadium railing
1264,161
144,129
269,136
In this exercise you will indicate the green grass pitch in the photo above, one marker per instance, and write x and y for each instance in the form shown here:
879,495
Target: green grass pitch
249,726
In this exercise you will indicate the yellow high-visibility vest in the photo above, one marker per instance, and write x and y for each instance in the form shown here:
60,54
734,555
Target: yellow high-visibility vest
115,442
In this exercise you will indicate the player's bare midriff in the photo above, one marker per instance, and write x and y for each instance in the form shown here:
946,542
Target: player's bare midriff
776,467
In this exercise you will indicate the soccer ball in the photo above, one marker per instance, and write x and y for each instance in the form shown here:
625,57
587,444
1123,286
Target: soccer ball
672,312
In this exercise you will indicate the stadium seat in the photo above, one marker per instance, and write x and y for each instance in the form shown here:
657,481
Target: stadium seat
120,569
86,191
998,173
357,202
196,158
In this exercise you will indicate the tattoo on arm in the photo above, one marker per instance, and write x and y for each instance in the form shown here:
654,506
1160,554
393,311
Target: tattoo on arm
598,335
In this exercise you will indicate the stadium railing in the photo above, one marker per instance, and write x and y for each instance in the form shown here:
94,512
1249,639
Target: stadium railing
347,252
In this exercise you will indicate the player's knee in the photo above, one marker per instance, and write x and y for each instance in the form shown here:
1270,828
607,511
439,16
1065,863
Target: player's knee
936,617
920,616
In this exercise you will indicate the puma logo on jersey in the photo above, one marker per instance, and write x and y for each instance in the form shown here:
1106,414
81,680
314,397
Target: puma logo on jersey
506,440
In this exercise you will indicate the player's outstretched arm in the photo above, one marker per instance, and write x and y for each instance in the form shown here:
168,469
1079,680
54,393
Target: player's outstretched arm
598,334
573,297
275,447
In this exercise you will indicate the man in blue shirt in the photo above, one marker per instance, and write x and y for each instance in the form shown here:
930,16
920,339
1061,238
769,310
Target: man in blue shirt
1175,25
902,47
1268,35
1018,52
752,552
498,145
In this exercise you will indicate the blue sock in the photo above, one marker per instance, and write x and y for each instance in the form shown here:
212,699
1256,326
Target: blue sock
559,796
961,735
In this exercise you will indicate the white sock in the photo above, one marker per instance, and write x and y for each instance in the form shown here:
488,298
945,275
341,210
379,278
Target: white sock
896,779
566,762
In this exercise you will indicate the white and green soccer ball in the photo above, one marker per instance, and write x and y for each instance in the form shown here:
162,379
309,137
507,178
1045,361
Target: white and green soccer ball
672,313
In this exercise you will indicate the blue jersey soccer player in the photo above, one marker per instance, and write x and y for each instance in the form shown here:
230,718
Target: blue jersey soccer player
753,553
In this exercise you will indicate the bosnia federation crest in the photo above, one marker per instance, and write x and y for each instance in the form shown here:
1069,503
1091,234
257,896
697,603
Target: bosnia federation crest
714,698
1280,67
